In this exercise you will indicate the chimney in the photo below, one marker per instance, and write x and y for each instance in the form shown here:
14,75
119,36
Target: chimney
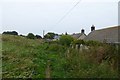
92,28
82,31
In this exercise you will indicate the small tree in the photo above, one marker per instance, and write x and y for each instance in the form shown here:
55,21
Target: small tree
66,33
78,42
38,37
31,36
10,33
50,35
66,40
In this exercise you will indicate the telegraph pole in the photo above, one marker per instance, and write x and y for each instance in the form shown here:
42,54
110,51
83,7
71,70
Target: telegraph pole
43,33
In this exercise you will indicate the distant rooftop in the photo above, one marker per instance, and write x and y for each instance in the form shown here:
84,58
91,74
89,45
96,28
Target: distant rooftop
110,35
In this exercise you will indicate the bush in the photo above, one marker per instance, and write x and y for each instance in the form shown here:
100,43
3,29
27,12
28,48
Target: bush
10,33
56,48
66,40
50,35
54,42
92,43
78,42
31,36
38,37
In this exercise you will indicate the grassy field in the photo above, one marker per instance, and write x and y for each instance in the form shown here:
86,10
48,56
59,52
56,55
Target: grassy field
27,58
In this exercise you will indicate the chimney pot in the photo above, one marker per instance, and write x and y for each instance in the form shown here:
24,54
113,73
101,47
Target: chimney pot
92,28
82,31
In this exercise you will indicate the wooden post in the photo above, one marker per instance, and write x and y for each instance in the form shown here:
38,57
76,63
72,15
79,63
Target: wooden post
72,46
81,47
76,46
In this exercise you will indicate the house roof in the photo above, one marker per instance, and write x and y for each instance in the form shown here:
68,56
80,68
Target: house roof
110,35
77,35
56,37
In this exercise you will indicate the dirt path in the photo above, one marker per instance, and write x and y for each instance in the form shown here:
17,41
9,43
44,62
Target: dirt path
48,70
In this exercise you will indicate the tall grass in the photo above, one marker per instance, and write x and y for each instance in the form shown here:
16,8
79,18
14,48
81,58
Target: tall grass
0,56
90,65
27,58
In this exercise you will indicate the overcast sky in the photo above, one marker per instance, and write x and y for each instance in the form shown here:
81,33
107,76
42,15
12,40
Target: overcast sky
34,16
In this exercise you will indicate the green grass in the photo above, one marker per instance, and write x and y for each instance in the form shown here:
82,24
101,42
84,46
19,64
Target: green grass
27,58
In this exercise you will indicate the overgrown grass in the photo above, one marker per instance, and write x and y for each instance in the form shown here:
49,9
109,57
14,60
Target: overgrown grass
86,65
27,58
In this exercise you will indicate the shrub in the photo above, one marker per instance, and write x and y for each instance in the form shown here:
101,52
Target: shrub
38,37
53,47
50,35
22,35
56,48
31,36
10,33
92,43
66,40
78,42
54,42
